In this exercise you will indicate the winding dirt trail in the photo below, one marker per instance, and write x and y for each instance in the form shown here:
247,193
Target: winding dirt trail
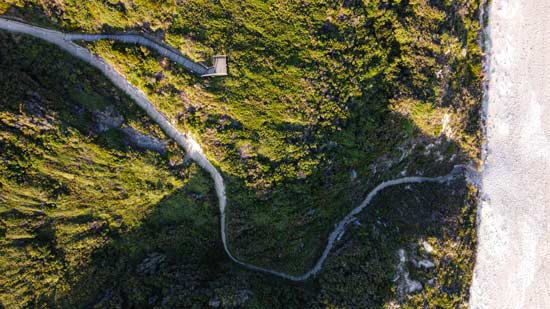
193,149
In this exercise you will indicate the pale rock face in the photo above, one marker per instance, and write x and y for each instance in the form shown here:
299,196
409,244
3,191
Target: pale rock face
427,247
427,264
405,285
446,127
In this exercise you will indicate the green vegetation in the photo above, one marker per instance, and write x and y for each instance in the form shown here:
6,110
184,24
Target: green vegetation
64,187
325,99
310,98
406,217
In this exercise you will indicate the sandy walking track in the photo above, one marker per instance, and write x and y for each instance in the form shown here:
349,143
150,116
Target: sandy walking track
193,149
513,259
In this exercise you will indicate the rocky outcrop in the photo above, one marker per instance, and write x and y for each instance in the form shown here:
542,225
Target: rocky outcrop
151,264
143,141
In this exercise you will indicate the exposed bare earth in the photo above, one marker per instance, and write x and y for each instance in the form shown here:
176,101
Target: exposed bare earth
513,262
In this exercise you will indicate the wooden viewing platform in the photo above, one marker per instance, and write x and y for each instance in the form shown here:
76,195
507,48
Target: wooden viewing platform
219,68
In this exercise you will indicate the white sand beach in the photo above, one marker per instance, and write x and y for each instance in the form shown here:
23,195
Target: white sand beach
513,261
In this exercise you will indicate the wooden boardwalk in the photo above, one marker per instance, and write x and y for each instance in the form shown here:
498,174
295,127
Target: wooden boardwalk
220,61
218,69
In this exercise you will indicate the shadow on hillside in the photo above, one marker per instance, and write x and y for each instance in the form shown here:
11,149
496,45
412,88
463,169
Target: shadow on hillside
170,258
175,257
434,225
300,213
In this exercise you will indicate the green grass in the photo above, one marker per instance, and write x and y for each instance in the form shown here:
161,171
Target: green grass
64,189
316,90
294,118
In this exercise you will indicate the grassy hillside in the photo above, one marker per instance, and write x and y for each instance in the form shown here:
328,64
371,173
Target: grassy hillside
325,99
66,184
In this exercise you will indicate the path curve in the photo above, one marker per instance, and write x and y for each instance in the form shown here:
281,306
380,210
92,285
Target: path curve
194,150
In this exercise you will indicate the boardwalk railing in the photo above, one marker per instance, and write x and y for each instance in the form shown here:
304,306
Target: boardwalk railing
220,63
165,50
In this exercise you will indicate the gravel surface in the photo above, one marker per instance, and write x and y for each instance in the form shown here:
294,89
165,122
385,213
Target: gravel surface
513,261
